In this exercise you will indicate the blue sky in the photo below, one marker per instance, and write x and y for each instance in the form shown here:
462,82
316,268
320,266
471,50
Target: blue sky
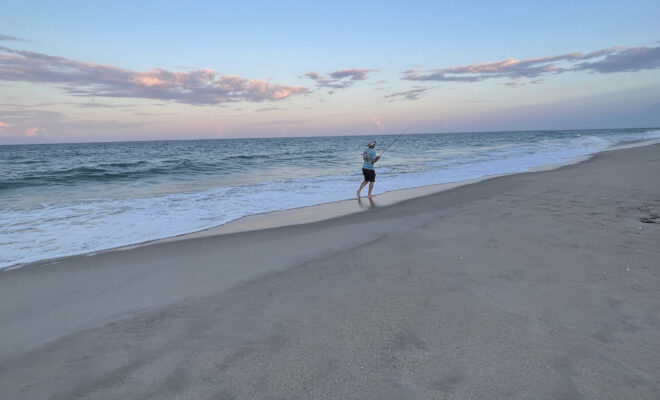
96,71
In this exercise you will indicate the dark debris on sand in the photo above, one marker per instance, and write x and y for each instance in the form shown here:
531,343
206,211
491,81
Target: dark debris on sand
650,215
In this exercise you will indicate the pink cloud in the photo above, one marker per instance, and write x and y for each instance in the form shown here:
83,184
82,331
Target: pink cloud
200,87
4,124
148,80
31,132
377,122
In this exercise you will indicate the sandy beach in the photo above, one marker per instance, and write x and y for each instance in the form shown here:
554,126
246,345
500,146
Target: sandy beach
543,285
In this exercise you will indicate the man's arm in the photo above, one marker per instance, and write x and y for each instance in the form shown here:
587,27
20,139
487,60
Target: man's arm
368,158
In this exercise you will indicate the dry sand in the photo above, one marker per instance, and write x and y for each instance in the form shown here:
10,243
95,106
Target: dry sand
543,285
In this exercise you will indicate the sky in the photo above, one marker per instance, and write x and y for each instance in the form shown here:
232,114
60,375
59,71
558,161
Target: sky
88,71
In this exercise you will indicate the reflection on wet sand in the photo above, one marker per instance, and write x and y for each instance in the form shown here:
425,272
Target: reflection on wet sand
369,204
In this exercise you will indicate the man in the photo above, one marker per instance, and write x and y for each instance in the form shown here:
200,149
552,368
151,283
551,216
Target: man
368,170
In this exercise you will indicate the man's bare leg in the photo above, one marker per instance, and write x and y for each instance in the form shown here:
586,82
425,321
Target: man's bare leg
371,186
360,189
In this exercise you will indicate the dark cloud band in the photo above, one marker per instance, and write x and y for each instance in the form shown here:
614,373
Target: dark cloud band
615,59
8,38
340,79
412,94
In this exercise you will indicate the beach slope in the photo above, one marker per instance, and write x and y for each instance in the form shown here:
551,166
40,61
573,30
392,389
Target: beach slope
536,285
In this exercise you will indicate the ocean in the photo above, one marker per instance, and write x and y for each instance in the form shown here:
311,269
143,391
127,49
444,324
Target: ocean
65,199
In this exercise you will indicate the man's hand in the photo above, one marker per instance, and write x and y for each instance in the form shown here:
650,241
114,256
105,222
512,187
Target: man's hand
377,158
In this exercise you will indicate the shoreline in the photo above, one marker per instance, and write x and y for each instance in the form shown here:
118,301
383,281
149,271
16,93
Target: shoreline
324,211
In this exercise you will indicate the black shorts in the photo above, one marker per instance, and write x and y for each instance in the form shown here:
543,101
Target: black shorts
369,175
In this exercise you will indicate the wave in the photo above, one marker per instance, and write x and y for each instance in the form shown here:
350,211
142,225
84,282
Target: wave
108,172
123,164
248,157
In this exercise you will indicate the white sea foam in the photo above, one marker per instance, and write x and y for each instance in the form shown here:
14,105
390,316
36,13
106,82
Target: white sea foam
78,226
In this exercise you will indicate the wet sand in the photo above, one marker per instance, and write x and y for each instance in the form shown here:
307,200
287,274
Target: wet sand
536,285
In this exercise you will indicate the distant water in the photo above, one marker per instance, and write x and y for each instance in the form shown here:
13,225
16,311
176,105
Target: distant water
66,199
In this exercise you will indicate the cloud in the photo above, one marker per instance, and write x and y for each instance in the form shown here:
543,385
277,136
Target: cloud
22,105
377,122
627,60
4,124
27,118
614,59
32,123
95,125
270,109
198,87
353,74
20,116
517,82
412,94
99,105
33,131
10,38
280,122
340,79
143,114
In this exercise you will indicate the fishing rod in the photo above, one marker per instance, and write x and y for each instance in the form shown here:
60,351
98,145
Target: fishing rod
387,148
